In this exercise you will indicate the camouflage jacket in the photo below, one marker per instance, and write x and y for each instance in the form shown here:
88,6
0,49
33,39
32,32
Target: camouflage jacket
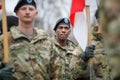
100,60
29,58
66,65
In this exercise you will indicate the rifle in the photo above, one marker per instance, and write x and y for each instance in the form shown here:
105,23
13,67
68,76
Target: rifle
5,37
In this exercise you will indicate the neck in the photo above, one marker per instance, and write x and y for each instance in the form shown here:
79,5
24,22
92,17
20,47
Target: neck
62,42
26,28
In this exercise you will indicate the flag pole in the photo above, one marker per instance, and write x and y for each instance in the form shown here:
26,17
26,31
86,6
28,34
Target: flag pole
88,24
89,41
5,36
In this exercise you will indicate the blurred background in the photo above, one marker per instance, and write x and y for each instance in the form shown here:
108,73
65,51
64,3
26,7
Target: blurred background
50,11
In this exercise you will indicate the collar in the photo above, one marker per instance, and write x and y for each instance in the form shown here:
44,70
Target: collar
70,45
16,34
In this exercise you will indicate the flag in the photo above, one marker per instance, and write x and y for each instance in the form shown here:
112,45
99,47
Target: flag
79,22
0,6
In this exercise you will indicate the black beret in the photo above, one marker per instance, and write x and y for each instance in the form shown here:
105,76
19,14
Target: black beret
11,21
62,20
24,2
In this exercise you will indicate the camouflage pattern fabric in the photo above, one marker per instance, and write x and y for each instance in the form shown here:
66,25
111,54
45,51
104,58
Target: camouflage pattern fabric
113,47
110,19
66,65
100,60
30,59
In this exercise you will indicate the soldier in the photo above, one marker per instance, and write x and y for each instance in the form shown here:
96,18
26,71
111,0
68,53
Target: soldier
113,48
111,23
71,62
102,67
30,48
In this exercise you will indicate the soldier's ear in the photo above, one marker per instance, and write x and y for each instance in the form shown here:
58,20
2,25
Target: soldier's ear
69,31
36,13
16,13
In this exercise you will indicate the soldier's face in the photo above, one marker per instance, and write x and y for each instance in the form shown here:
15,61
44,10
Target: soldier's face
62,31
27,13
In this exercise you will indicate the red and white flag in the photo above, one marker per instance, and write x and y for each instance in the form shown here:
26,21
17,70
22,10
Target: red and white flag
79,22
0,6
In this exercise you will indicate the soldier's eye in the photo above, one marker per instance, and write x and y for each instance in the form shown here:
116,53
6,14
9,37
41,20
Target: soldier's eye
31,9
23,8
60,27
66,28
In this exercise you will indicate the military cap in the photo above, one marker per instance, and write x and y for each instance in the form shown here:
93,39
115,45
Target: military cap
11,21
24,2
62,20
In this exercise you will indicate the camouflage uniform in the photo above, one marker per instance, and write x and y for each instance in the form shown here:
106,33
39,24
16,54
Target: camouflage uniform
30,59
110,20
100,60
66,65
113,48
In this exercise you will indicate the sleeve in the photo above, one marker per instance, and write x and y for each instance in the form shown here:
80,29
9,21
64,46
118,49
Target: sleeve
54,70
80,70
1,51
101,63
101,67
